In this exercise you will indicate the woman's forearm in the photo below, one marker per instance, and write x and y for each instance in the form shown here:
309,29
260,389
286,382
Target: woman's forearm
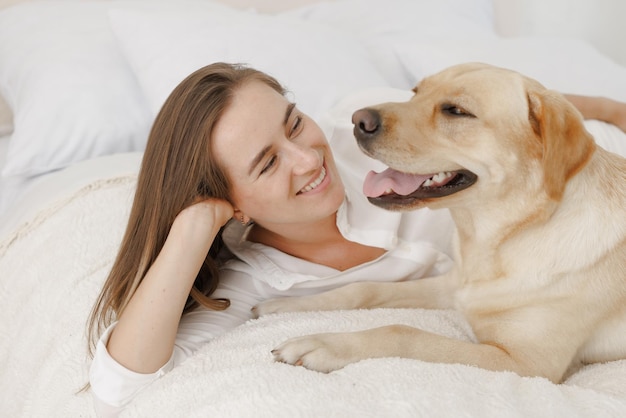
143,339
600,108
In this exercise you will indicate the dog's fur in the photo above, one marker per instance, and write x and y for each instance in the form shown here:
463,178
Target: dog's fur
540,211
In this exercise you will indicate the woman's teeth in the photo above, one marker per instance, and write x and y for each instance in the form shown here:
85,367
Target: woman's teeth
312,185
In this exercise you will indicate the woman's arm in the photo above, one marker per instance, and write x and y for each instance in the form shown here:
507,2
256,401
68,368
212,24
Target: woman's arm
143,339
600,108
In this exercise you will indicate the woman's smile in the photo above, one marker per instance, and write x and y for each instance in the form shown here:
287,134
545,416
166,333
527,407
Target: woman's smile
316,183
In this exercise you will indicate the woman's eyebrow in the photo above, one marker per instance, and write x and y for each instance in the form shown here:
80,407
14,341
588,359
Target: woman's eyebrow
288,112
257,159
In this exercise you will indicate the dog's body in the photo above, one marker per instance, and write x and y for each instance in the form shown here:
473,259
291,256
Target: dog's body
540,212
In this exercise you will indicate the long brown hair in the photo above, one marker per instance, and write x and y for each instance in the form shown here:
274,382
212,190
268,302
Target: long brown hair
178,167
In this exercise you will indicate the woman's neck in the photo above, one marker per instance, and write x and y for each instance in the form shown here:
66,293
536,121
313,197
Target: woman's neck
319,242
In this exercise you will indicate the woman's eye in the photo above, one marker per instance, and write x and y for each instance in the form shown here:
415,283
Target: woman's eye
296,125
269,164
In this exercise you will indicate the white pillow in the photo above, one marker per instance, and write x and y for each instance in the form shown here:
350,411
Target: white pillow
378,25
566,65
72,93
317,64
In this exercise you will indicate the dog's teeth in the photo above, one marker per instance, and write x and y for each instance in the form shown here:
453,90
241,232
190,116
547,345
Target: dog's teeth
441,176
437,178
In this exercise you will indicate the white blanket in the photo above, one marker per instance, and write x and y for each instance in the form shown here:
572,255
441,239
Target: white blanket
51,270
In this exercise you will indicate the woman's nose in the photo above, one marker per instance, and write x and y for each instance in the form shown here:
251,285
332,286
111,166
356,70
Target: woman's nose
305,159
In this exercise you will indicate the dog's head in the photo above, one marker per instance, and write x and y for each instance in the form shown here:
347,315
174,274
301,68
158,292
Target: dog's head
472,131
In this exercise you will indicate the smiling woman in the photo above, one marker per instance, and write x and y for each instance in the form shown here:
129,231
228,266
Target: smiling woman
287,159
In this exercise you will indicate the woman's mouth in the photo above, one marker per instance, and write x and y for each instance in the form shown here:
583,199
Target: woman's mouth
312,185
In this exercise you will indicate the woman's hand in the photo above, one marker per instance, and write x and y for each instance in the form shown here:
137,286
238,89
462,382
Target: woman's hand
212,209
200,221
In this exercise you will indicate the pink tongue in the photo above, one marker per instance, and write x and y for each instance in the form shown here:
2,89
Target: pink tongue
376,184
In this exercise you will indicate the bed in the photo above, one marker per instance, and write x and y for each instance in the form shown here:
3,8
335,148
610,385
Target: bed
81,82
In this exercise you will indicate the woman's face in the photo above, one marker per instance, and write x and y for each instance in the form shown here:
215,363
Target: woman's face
277,159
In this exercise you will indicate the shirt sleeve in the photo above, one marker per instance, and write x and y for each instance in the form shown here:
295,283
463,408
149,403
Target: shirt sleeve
113,386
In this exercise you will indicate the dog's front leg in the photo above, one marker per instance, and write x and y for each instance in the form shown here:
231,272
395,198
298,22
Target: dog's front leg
333,351
433,293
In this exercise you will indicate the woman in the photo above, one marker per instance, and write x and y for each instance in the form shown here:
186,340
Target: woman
228,145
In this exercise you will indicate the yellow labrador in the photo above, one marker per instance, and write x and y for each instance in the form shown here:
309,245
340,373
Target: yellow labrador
540,247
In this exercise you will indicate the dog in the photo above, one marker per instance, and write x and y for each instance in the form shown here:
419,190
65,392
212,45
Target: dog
540,242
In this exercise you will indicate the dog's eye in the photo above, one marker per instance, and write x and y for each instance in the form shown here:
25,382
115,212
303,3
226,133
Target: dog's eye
453,110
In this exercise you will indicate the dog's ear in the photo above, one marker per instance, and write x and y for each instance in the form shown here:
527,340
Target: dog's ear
566,144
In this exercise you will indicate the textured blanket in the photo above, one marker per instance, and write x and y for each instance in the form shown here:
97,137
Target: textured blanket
52,267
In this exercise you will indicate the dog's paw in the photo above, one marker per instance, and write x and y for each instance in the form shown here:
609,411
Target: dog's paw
321,352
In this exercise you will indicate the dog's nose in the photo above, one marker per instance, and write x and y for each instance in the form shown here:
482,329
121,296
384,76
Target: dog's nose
367,126
366,123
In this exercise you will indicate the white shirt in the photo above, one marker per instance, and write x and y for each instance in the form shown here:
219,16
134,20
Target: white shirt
418,245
